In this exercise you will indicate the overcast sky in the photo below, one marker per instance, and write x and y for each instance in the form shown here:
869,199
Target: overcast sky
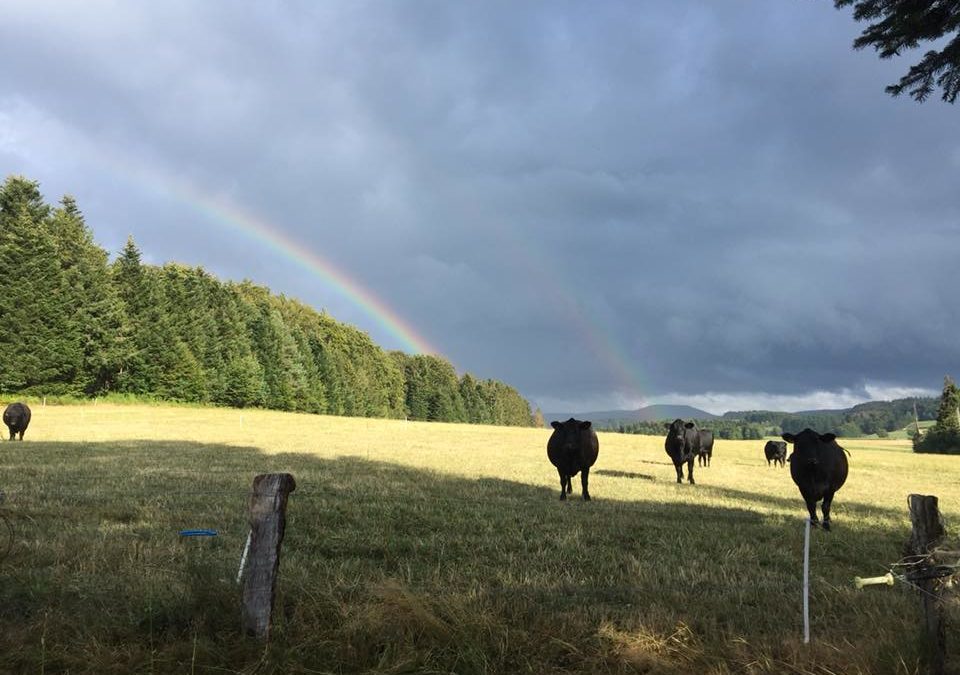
604,204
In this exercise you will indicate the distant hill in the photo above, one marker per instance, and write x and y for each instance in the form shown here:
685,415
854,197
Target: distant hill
926,409
650,413
866,419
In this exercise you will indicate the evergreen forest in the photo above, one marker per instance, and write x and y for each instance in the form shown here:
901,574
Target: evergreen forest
75,323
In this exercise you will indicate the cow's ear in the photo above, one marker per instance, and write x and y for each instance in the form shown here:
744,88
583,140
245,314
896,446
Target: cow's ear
668,425
789,438
689,425
555,424
585,425
826,438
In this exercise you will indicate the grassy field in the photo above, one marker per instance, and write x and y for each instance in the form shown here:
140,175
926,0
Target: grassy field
440,548
904,434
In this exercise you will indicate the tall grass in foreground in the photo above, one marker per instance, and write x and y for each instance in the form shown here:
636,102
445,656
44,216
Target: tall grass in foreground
435,548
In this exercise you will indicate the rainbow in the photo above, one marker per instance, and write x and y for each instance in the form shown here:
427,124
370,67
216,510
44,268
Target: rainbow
235,217
598,341
596,336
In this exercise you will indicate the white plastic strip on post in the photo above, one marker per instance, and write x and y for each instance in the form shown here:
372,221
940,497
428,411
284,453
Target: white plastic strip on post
806,584
243,558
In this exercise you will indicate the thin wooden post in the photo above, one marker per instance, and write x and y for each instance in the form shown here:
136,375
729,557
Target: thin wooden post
928,531
916,419
268,507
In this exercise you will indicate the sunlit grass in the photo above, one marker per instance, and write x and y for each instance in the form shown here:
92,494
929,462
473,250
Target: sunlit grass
417,547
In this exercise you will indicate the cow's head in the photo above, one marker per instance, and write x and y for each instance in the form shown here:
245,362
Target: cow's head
807,446
568,432
674,428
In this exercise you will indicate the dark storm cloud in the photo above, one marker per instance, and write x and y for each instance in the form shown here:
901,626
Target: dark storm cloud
594,203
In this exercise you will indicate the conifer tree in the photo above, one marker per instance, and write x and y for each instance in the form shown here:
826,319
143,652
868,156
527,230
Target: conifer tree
36,352
944,436
948,413
904,24
238,379
539,422
474,405
147,345
95,318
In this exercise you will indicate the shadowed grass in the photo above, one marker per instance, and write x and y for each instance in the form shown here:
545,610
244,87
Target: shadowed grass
438,548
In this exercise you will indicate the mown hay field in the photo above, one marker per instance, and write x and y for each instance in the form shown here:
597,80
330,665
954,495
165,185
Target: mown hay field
441,548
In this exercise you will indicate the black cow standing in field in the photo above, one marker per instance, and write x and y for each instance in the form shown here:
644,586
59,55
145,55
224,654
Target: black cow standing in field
573,448
819,468
17,419
776,452
705,451
682,444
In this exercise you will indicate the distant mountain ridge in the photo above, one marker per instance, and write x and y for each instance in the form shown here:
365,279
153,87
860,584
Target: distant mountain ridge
864,417
650,413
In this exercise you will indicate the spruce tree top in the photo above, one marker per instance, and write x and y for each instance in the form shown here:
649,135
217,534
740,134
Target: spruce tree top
948,414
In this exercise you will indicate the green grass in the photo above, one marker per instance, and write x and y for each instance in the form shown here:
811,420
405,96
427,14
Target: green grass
436,548
903,434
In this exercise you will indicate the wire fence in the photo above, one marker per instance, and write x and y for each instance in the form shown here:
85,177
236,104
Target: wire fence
909,570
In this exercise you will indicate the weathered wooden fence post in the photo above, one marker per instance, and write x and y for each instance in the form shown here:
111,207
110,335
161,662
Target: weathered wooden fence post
928,531
268,509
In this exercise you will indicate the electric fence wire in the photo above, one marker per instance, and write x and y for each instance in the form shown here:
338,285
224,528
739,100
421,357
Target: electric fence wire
908,570
353,497
607,593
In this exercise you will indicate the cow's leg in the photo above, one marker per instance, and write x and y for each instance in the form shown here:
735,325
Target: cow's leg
812,509
690,472
709,457
584,478
679,467
563,484
827,501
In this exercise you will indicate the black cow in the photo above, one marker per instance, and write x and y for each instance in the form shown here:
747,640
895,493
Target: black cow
819,468
573,448
17,419
705,451
682,444
776,452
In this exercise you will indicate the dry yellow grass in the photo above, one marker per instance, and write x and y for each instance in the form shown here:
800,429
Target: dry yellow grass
417,547
882,473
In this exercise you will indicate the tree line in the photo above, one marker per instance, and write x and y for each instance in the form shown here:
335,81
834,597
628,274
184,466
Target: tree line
944,436
74,323
866,419
873,418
